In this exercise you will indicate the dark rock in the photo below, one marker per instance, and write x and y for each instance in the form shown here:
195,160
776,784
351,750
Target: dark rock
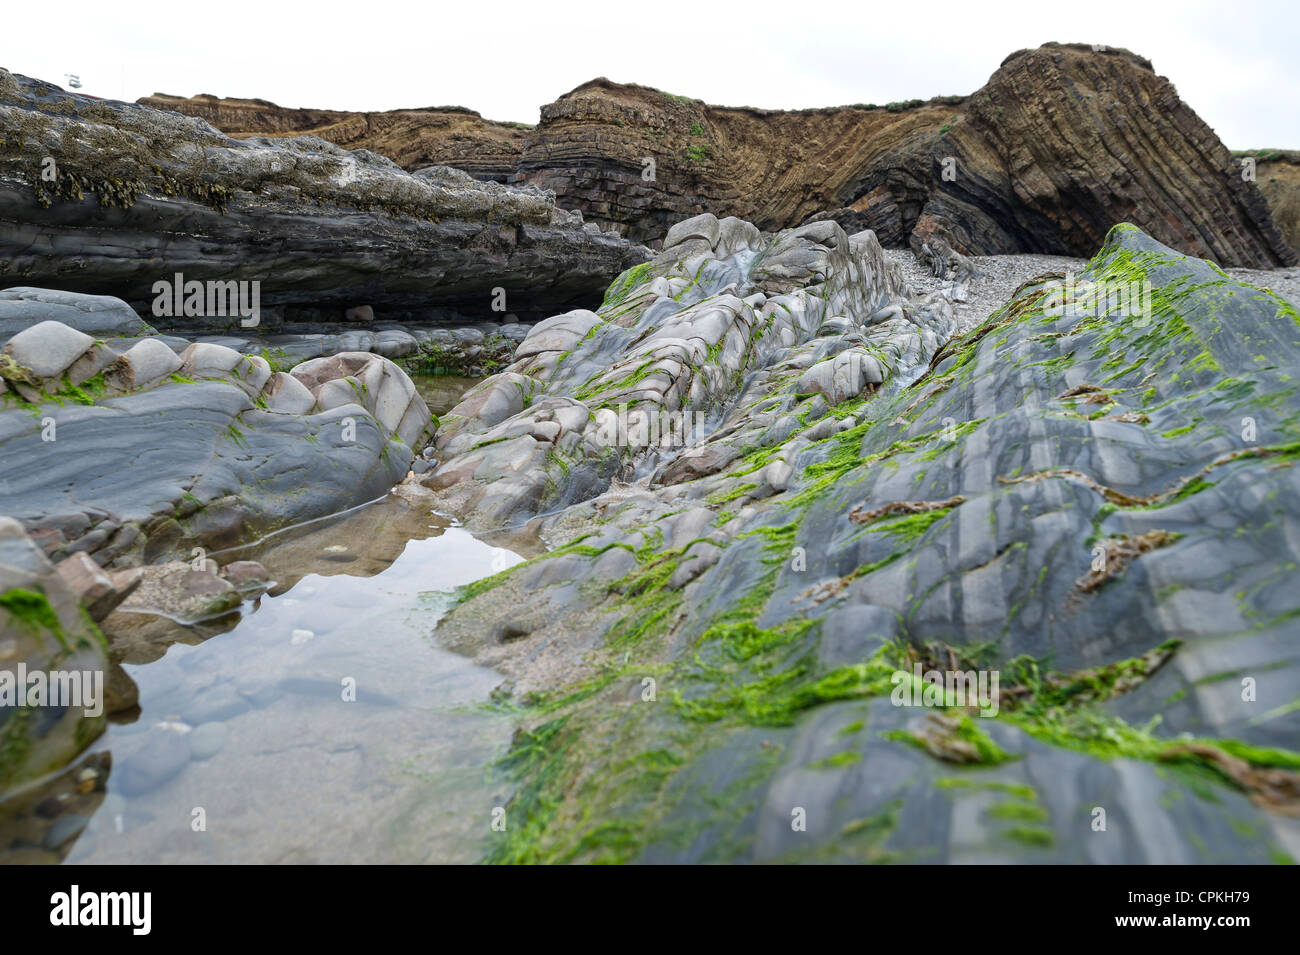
313,223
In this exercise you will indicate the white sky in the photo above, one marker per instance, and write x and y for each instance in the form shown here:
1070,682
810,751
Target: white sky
1236,64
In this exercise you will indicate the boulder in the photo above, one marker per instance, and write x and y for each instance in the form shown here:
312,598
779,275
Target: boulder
373,382
143,365
287,395
99,315
49,350
99,591
43,630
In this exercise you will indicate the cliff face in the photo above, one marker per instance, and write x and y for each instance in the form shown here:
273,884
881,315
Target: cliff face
1063,142
774,168
437,136
1277,172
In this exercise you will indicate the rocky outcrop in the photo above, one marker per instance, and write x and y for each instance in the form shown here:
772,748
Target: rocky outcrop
1278,173
53,664
718,316
99,315
412,138
132,452
1090,497
1063,142
775,168
112,198
1059,145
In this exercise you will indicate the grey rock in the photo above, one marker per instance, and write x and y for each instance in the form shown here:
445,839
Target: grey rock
316,224
99,315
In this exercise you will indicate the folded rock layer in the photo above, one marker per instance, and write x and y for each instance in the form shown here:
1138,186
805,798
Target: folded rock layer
1063,142
1092,503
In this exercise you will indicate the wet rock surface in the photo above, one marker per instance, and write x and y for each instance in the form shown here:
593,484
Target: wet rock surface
1094,503
44,633
715,319
135,451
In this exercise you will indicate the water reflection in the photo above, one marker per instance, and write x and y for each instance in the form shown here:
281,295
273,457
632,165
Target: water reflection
324,726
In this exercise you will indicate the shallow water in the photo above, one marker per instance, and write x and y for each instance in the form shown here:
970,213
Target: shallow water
300,773
442,392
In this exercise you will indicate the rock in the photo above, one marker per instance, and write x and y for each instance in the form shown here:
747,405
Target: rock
177,590
360,313
206,740
942,260
287,395
197,464
249,577
842,377
43,629
210,360
384,390
99,315
99,592
321,221
144,365
1052,488
924,169
121,694
704,226
155,761
545,432
557,334
422,140
49,350
1277,171
777,475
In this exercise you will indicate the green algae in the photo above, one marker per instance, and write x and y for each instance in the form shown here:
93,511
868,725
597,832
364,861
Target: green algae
32,610
742,673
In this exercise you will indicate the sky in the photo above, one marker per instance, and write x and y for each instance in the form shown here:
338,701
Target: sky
1235,64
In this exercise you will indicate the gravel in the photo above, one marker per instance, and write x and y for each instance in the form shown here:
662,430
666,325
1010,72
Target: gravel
1283,282
1000,275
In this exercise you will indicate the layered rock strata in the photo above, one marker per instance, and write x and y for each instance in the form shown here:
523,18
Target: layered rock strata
1060,144
112,198
1090,496
679,344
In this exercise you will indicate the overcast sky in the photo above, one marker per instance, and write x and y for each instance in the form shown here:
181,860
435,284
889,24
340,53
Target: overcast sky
1236,64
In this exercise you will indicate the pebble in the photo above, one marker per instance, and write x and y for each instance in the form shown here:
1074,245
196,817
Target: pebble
1283,282
1000,275
161,758
206,740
